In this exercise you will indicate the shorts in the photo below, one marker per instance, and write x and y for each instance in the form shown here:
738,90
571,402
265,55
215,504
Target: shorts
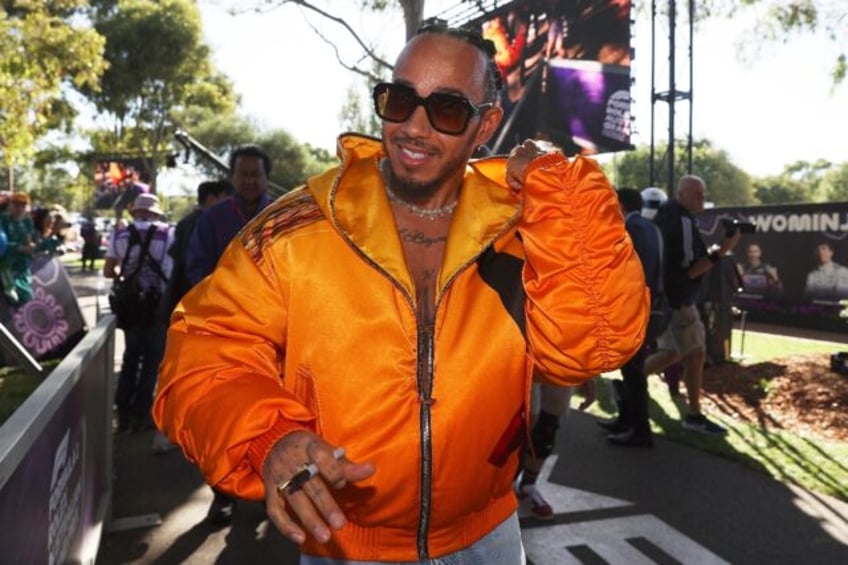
685,334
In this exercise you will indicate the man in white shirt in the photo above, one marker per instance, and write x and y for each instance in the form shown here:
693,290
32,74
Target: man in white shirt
829,281
144,334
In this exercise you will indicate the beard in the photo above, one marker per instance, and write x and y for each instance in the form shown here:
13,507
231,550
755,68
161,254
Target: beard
412,190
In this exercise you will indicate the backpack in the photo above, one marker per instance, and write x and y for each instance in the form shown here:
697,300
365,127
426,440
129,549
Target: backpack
660,307
133,305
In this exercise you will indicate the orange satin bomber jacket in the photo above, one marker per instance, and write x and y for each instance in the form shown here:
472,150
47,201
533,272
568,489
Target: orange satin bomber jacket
308,322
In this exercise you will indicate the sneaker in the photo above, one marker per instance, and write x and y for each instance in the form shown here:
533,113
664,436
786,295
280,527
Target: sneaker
613,426
539,507
700,424
631,439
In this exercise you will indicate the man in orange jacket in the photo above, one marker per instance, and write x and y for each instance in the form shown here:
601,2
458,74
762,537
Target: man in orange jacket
362,355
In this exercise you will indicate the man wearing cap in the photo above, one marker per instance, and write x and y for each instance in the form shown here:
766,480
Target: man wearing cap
145,339
15,271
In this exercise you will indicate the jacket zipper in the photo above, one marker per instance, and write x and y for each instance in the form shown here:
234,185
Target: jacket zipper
425,390
424,377
425,374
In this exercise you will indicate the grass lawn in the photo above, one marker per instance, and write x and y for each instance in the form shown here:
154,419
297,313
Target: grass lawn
759,347
815,464
16,385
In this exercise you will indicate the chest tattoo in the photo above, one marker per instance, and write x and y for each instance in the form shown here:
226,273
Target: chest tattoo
420,238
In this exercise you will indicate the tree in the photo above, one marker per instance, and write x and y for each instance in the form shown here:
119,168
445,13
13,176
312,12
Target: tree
159,68
220,133
413,15
727,184
782,20
54,178
801,181
835,183
358,116
291,162
45,53
780,190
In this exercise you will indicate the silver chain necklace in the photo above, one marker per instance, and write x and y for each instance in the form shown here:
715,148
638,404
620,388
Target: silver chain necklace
426,213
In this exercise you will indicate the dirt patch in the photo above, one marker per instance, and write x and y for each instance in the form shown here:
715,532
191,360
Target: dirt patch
798,393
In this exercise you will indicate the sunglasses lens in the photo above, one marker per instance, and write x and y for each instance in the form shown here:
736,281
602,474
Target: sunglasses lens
448,113
394,103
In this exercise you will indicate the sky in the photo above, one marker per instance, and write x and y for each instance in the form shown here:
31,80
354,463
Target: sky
766,111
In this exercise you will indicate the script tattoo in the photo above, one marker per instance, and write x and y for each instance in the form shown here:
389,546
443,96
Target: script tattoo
419,238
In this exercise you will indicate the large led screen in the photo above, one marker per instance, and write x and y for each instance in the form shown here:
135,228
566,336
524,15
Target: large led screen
117,182
565,66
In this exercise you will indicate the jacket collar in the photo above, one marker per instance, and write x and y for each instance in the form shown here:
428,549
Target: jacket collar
353,198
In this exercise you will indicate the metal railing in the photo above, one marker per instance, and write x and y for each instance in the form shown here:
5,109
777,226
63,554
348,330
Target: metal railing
56,459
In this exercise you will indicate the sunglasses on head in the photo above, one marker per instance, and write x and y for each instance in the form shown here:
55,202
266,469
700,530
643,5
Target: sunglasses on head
448,113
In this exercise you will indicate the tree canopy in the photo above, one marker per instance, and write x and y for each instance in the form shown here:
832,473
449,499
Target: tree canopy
291,162
727,184
44,55
784,20
159,68
804,181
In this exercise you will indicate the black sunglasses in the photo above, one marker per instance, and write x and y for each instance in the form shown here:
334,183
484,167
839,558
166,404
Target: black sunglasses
448,113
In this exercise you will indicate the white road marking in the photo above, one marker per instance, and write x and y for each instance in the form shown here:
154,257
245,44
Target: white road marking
608,537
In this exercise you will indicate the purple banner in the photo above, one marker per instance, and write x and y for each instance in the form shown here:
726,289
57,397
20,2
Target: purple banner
794,269
51,323
50,503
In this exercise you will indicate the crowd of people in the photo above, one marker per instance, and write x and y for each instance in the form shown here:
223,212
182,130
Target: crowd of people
25,232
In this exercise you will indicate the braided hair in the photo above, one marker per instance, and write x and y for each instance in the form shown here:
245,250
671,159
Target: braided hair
473,37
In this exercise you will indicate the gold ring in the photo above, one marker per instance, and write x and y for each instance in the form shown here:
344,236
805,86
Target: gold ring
281,487
303,473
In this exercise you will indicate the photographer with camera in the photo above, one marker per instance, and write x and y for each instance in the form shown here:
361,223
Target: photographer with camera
687,259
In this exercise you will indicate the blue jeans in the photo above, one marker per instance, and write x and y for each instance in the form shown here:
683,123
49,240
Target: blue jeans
501,546
143,350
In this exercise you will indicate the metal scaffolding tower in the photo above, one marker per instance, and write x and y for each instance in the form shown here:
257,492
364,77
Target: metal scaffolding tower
673,94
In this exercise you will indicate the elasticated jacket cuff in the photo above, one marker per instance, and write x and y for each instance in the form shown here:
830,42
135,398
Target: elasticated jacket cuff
262,445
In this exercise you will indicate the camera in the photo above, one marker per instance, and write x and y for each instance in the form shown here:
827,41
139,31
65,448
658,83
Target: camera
731,225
